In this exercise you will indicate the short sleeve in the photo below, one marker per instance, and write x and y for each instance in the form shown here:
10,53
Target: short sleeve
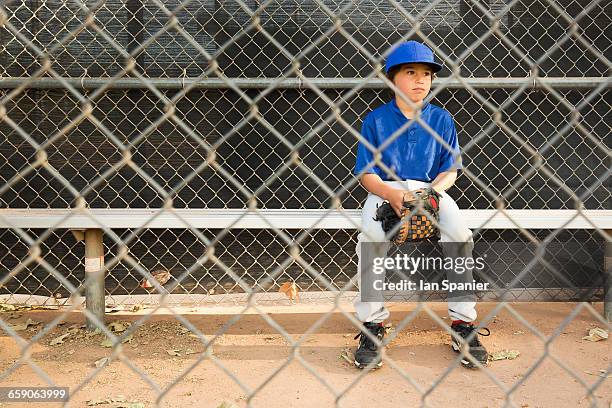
450,159
365,157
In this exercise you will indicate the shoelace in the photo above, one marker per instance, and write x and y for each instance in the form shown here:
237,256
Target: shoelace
466,330
367,341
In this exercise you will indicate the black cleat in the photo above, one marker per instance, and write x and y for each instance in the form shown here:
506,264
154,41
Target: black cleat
477,350
368,354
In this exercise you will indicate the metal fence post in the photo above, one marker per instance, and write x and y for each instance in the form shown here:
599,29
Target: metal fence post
608,279
94,275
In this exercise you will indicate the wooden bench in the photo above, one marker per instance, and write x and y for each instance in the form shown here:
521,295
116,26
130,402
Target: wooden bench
87,225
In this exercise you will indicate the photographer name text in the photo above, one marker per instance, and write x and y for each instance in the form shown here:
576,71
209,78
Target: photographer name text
380,284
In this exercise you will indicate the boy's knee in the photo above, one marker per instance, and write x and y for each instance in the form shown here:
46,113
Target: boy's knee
373,235
459,235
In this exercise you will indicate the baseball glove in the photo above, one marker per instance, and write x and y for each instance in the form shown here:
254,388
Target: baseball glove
415,226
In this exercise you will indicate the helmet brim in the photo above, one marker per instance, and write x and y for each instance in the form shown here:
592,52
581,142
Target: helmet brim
435,67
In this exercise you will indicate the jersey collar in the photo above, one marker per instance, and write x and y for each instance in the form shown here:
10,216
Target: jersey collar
397,111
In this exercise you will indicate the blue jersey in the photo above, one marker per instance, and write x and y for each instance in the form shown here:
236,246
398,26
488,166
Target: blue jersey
415,154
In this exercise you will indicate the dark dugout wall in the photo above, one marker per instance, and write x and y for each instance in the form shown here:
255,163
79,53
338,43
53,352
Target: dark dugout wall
254,155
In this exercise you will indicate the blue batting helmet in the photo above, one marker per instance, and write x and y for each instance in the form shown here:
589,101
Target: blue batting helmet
412,52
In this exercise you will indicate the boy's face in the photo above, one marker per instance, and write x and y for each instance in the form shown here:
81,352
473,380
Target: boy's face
414,80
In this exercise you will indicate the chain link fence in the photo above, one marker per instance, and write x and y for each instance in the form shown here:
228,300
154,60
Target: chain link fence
257,106
91,46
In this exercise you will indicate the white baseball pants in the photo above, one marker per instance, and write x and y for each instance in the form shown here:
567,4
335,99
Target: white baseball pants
452,229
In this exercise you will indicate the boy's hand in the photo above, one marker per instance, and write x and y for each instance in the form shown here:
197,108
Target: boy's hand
396,199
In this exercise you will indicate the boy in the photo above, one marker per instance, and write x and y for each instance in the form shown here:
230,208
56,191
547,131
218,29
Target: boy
420,162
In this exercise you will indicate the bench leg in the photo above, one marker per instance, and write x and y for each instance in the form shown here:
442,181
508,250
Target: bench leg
94,275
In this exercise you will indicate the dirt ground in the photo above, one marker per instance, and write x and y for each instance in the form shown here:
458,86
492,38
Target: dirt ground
163,351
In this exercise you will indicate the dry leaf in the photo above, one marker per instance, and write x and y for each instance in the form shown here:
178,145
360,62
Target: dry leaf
190,351
161,276
94,333
118,398
108,342
31,322
59,340
93,403
290,290
505,355
596,334
346,355
136,308
131,405
5,307
40,307
102,362
226,405
174,352
24,326
127,339
118,326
